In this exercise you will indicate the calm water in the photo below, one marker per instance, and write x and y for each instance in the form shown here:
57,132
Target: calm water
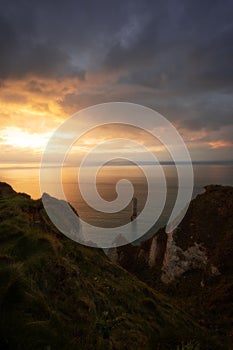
27,180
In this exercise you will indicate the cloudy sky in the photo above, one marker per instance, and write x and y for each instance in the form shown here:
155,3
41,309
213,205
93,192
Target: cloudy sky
58,57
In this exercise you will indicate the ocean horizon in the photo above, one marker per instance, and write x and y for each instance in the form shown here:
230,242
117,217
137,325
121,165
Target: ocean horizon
23,180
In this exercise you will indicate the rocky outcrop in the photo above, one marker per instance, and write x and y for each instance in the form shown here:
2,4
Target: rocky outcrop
177,261
144,260
194,263
203,241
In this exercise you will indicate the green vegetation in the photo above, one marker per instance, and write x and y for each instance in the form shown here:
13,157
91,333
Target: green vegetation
56,294
192,345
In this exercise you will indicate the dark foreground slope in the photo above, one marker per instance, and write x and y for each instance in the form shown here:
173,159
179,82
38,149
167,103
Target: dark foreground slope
193,264
56,294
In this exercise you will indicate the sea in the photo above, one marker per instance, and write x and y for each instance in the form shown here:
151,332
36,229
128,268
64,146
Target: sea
26,179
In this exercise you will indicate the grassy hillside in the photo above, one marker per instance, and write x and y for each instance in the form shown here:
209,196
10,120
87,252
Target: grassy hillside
56,294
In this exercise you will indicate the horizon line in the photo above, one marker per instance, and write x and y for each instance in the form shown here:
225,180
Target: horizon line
115,163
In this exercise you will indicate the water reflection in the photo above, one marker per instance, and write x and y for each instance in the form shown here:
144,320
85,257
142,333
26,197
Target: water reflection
27,180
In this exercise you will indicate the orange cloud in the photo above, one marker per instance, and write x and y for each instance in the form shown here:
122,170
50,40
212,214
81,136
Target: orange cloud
220,144
32,108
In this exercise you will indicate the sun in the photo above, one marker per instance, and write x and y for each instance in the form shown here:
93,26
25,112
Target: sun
19,138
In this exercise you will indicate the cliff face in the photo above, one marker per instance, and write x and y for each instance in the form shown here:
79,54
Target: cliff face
177,261
203,241
57,294
194,262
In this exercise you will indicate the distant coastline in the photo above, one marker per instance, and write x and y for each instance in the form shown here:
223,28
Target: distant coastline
120,162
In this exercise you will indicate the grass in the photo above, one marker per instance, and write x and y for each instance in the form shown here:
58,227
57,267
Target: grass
57,294
191,345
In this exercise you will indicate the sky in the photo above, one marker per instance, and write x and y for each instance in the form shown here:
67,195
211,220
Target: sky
58,57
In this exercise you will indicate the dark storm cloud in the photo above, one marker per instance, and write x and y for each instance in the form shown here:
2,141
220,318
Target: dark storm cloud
184,54
56,38
187,47
24,52
178,52
180,43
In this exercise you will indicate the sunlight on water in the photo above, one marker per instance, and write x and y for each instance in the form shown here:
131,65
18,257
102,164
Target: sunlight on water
27,180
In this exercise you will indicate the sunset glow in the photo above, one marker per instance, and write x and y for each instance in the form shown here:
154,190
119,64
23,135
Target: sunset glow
44,82
18,138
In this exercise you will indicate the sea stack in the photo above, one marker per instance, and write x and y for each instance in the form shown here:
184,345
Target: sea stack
134,208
